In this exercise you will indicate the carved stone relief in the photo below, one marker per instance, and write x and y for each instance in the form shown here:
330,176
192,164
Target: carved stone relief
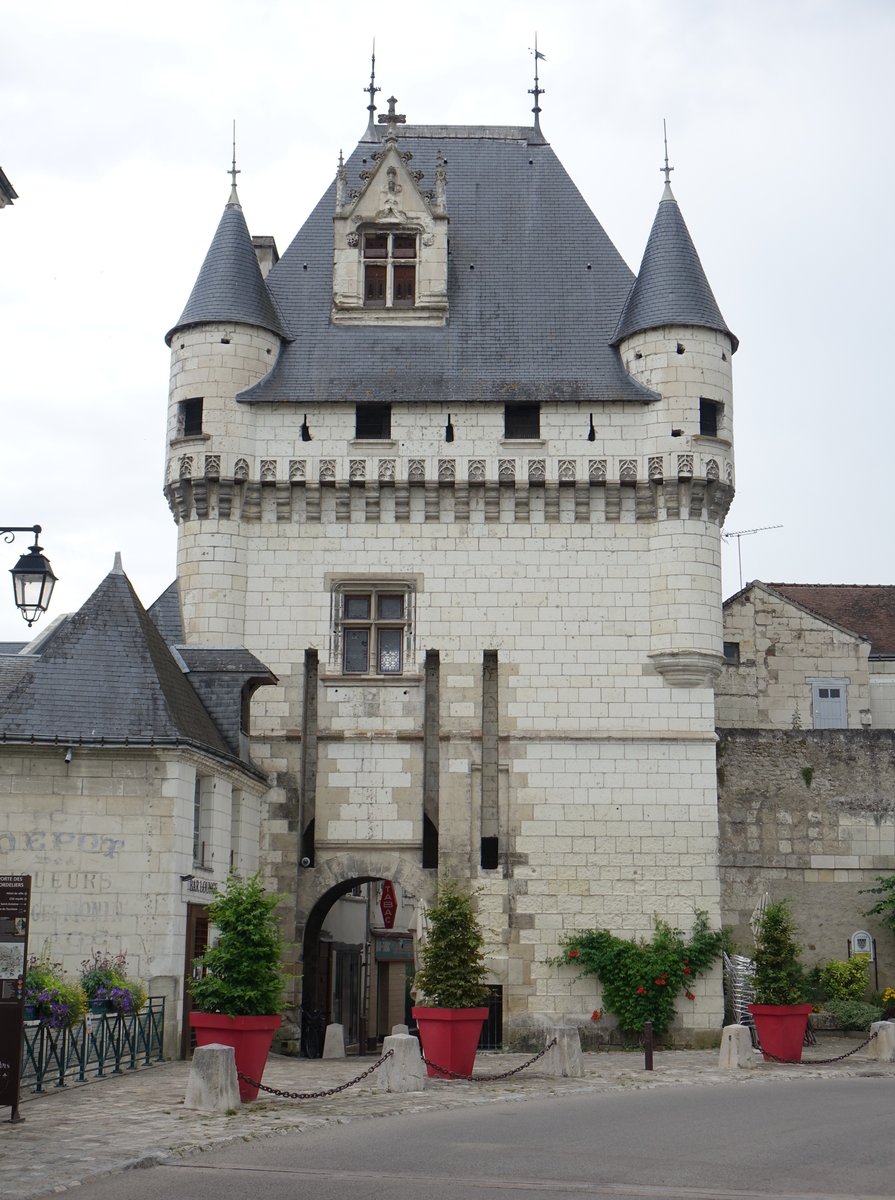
268,469
297,469
327,470
241,470
212,466
684,466
597,470
387,470
655,467
416,470
627,470
506,470
357,469
537,470
567,470
476,470
447,470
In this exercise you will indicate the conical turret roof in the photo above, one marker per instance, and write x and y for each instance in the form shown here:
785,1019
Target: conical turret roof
671,288
230,286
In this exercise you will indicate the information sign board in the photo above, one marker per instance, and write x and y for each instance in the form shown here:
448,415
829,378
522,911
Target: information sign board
15,908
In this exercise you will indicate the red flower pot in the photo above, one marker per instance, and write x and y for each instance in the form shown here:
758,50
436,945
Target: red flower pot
250,1038
781,1029
450,1038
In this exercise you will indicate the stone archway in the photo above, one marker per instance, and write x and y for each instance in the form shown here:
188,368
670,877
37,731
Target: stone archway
334,877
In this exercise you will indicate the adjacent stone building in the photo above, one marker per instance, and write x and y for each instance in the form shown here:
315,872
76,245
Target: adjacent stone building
806,758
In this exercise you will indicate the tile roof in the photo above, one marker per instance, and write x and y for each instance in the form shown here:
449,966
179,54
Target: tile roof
230,286
107,674
671,288
165,612
866,609
532,321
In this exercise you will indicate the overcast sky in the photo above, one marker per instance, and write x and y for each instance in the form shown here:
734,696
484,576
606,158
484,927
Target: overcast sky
116,124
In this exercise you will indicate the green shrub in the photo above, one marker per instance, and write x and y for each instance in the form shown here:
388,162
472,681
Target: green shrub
453,964
779,978
640,980
243,970
846,979
854,1014
58,1002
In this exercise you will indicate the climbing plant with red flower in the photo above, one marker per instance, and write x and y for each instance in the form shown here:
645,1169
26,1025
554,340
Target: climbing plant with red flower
640,979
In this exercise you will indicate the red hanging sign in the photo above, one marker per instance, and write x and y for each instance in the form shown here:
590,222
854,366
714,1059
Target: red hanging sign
388,904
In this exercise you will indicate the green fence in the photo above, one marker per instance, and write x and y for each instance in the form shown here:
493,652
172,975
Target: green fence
103,1044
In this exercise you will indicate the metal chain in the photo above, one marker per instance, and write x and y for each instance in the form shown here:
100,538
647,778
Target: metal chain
488,1078
315,1095
816,1062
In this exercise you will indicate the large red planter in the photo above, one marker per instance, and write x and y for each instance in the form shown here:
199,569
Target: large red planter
250,1038
781,1029
450,1038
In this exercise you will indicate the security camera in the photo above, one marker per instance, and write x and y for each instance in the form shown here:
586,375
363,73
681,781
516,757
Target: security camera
305,862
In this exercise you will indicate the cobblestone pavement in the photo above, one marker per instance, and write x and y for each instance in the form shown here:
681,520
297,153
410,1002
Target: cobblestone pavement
72,1135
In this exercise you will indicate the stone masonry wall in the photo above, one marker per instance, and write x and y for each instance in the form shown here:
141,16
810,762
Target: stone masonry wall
808,815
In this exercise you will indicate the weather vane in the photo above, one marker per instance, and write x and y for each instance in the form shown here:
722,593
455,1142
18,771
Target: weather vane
371,87
233,172
537,91
666,169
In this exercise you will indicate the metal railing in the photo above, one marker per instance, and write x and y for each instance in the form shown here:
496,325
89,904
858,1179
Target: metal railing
101,1044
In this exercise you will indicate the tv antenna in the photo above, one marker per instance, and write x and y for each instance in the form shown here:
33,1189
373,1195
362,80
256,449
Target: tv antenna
739,534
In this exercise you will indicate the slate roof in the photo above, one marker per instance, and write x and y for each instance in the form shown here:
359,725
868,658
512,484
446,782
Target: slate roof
230,286
671,288
165,612
533,321
866,609
107,674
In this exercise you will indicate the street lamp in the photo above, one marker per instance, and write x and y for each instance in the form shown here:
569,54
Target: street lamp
32,576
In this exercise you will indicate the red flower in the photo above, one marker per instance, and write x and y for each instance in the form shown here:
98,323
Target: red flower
661,981
641,991
689,995
597,1014
687,971
573,953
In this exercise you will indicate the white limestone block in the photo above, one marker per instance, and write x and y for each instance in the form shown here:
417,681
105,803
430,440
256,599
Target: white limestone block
405,1071
736,1047
883,1046
563,1059
334,1042
212,1085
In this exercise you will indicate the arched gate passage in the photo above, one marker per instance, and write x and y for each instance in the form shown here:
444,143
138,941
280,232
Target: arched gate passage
321,888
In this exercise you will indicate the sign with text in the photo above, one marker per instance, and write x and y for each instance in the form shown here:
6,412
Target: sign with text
388,904
15,908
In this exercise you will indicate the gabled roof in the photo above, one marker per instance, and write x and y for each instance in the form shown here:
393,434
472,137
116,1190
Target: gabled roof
671,288
866,609
107,674
535,288
230,286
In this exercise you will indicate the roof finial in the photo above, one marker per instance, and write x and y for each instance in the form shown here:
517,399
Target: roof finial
233,172
391,118
666,169
537,91
372,89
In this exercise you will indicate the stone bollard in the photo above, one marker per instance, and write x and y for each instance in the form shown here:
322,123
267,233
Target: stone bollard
736,1047
396,1029
405,1071
883,1048
563,1059
212,1085
334,1042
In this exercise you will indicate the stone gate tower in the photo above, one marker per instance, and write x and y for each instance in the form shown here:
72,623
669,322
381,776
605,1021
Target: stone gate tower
457,477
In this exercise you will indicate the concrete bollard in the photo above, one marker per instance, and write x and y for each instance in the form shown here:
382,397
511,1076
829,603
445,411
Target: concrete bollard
405,1071
334,1042
736,1047
398,1029
883,1047
564,1059
212,1085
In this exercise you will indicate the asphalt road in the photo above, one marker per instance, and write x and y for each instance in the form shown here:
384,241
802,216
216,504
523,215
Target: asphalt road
810,1138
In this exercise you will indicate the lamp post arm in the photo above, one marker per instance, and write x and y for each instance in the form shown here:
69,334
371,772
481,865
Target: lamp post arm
8,532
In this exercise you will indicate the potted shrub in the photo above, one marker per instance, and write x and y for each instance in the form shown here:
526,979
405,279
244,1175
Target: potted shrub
51,998
238,995
451,983
779,1010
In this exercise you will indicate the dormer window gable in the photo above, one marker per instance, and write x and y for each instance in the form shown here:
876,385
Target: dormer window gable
390,246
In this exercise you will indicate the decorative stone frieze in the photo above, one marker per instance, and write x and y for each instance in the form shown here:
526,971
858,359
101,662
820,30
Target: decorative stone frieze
685,466
506,470
268,470
186,466
567,470
447,470
212,466
357,470
655,468
627,470
387,470
327,472
596,470
297,468
241,470
416,470
476,470
537,470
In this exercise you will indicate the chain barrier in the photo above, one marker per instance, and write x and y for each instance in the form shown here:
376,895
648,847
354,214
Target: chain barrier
315,1095
488,1078
816,1062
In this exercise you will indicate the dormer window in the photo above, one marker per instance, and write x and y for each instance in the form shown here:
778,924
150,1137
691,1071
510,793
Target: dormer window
389,270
